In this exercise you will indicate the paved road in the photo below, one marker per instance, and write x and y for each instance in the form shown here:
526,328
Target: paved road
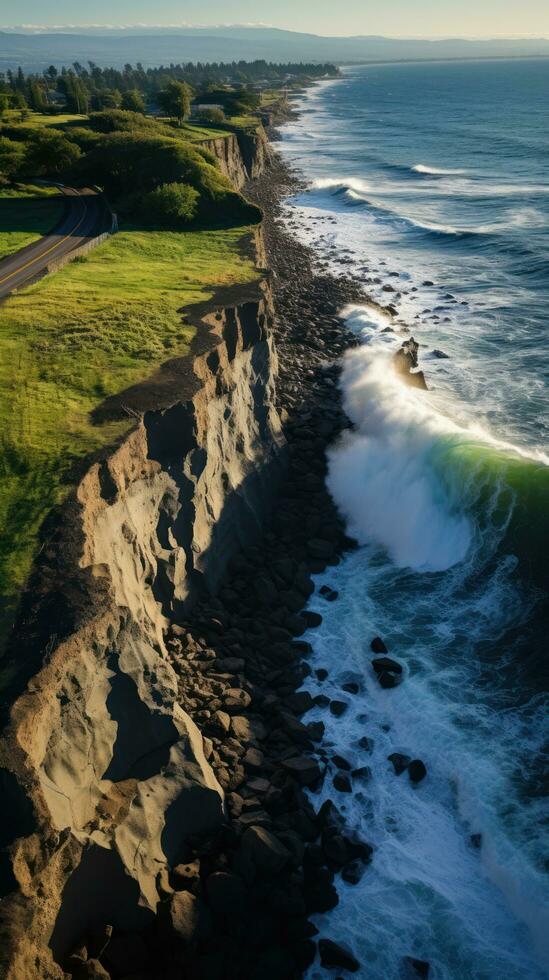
83,219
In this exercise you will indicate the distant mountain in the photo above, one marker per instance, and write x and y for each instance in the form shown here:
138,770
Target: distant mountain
157,46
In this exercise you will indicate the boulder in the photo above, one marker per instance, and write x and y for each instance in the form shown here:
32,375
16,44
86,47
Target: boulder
342,783
333,955
189,918
416,771
312,619
264,850
351,688
381,664
338,708
319,548
329,594
253,759
387,680
400,762
352,872
377,645
306,771
236,700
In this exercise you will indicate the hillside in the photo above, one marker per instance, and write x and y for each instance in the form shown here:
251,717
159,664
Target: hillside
161,46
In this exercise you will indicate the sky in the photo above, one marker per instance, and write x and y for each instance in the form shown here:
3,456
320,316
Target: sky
417,18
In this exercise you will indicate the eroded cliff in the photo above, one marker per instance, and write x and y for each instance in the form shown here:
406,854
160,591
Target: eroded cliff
104,775
242,156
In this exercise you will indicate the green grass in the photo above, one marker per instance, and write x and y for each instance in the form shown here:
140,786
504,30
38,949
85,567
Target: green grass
194,132
84,333
26,213
42,119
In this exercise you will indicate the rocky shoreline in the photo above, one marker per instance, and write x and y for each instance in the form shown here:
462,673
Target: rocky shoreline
238,905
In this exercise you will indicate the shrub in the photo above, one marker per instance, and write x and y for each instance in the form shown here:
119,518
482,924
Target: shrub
50,153
213,115
133,101
12,156
171,203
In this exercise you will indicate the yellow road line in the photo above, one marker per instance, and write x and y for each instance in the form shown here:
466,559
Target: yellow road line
47,252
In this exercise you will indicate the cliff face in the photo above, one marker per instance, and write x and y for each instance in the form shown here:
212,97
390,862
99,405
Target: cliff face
229,158
241,157
103,774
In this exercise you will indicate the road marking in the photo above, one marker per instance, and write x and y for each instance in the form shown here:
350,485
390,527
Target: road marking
47,252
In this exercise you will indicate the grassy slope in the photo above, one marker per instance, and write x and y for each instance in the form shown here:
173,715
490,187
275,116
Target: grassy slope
89,331
26,213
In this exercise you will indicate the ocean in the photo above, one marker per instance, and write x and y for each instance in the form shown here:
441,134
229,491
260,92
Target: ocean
429,184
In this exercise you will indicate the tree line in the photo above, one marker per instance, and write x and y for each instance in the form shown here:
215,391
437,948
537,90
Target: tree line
135,88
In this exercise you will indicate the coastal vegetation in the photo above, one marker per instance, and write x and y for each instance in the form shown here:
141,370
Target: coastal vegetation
107,320
87,332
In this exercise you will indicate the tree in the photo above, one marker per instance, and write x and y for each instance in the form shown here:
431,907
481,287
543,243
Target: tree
175,100
171,203
4,103
50,154
37,98
12,156
213,115
133,101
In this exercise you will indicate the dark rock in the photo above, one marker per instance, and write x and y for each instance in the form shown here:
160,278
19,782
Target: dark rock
338,708
319,548
319,891
352,872
305,770
300,702
342,783
321,674
328,593
265,851
387,680
400,762
312,619
476,840
377,645
419,968
366,743
351,688
381,664
341,763
363,772
416,770
331,954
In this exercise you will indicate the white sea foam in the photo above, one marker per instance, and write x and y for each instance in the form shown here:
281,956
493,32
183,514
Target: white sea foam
422,168
381,475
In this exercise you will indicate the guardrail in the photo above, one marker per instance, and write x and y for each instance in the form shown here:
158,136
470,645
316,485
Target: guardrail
84,249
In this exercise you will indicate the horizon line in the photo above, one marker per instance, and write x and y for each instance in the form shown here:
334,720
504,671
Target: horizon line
38,28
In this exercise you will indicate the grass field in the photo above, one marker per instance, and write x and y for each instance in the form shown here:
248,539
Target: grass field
86,332
26,213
